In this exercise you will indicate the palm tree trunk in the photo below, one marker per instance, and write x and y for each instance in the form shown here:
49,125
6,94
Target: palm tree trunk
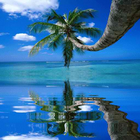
123,15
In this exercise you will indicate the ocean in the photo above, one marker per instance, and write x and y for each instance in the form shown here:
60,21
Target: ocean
97,100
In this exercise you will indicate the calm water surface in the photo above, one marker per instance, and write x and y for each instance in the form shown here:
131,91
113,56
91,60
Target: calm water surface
97,100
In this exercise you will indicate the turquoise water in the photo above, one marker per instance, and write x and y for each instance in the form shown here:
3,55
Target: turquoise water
96,73
97,100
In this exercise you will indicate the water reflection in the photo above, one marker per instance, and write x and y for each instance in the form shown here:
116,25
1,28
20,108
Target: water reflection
28,137
69,115
119,127
66,116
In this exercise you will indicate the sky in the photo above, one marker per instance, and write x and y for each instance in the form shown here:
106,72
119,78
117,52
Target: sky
16,40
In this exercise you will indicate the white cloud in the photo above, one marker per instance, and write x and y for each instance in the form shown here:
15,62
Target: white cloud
85,39
85,108
24,37
92,24
28,137
25,99
24,109
1,34
91,121
30,8
25,48
13,15
47,53
1,47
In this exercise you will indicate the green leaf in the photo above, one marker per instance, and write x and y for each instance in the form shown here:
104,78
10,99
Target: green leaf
89,31
80,14
75,38
65,16
41,44
78,50
38,27
79,24
67,52
56,41
54,16
72,14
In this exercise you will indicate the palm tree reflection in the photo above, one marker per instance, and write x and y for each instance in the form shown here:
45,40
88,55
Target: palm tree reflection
65,116
119,127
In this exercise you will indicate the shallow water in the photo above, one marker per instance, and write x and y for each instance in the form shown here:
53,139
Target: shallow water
92,100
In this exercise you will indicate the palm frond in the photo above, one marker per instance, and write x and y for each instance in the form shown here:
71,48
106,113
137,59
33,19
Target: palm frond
78,50
65,16
56,41
38,27
77,39
59,17
72,14
89,31
79,24
67,52
54,16
80,14
41,44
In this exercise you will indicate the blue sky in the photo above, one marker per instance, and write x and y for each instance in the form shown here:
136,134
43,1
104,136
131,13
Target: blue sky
15,39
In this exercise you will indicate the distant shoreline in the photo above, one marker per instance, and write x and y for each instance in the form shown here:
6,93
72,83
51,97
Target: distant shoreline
71,61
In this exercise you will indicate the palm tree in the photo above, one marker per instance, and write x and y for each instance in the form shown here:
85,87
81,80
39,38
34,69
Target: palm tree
62,28
119,22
